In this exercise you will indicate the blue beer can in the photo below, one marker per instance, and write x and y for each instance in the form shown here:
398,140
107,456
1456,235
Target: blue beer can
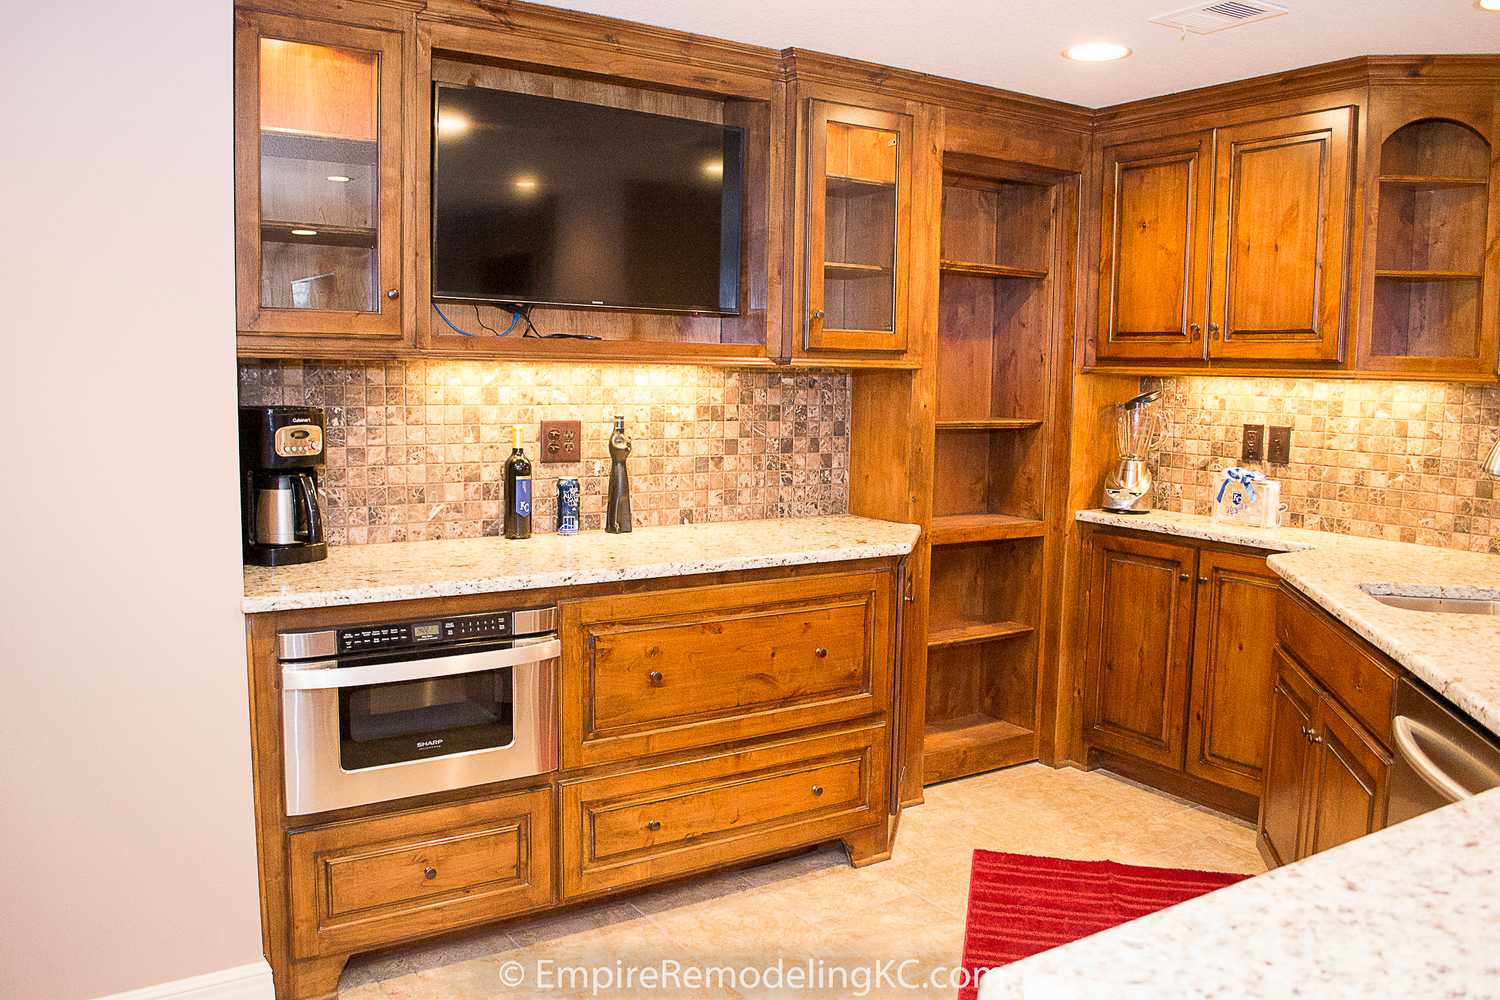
568,501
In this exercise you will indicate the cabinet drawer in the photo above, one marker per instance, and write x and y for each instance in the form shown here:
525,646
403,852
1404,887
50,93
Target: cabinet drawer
677,818
648,673
1363,684
368,882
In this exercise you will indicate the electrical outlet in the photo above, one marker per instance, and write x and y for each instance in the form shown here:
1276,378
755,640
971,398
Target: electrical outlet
1254,448
1279,446
562,441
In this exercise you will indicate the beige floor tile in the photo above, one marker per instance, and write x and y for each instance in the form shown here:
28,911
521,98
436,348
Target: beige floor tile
813,907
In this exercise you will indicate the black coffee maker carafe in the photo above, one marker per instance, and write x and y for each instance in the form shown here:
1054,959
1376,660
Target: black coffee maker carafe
281,450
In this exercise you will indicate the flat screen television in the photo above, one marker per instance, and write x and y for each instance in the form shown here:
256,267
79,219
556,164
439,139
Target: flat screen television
543,201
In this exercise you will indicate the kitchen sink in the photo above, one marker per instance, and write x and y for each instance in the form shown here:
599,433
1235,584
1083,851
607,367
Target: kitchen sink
1441,605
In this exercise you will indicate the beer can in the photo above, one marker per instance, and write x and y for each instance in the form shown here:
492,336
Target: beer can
568,503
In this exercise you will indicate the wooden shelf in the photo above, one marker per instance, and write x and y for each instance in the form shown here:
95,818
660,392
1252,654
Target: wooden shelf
989,424
1430,181
958,747
1397,274
323,236
851,269
956,529
968,633
859,185
318,148
991,270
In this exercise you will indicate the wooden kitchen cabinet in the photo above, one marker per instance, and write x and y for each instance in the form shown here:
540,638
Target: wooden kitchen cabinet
1178,661
1153,269
319,184
858,240
1283,799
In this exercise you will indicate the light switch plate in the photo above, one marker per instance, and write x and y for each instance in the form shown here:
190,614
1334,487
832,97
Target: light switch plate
562,441
1254,447
1279,446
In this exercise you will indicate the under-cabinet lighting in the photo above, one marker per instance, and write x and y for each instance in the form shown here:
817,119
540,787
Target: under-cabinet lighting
1098,51
339,178
304,232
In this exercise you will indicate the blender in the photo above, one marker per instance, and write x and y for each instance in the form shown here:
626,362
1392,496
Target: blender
1139,429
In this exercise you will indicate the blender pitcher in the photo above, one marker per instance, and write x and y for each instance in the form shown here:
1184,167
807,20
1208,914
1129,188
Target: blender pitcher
1139,430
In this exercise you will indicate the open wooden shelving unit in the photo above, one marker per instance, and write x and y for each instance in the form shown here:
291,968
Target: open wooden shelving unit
988,528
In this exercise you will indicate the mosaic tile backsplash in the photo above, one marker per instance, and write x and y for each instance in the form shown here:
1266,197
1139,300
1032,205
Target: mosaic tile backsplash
1396,460
416,448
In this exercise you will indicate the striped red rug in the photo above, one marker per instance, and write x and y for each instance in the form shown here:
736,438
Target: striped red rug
1020,904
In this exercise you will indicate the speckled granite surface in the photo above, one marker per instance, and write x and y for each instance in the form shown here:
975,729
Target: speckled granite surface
1457,654
364,574
1410,911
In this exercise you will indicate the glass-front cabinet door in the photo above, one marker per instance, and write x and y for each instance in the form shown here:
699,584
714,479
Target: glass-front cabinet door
858,228
317,178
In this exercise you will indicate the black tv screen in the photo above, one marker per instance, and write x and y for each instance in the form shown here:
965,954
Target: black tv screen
539,200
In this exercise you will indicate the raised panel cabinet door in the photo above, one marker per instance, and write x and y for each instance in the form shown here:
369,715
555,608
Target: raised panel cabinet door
1282,205
318,179
1350,780
858,236
1153,271
1284,787
1139,643
1230,704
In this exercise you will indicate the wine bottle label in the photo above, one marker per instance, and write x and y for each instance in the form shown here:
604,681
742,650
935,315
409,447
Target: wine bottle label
523,496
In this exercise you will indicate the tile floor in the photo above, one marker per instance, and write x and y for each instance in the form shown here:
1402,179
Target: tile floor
814,907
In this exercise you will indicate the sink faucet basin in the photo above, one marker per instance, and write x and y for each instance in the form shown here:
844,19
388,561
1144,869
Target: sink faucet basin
1441,605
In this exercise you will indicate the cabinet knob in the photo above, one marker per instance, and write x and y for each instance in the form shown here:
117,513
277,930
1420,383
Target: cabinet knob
820,652
1185,577
1213,330
818,314
429,873
653,825
654,677
1195,330
393,293
817,789
1202,579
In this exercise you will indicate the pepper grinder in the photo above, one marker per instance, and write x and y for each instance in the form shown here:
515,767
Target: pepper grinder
617,513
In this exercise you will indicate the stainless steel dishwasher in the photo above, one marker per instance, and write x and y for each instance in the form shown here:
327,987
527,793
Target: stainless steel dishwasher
1441,757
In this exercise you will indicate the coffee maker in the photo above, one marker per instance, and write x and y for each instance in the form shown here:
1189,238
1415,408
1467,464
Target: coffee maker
1139,428
281,450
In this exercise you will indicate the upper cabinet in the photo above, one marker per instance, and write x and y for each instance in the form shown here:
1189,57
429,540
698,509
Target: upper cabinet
857,245
319,185
1432,234
1231,243
1282,191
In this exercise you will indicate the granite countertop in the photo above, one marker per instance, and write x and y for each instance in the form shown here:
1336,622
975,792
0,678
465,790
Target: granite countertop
1410,910
1457,655
365,574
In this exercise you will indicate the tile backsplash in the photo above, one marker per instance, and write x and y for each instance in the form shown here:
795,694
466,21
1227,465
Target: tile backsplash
1397,460
416,448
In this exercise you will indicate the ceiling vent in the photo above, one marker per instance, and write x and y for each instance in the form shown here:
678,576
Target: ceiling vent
1206,18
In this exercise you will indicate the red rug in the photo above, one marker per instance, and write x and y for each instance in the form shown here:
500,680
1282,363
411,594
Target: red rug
1020,904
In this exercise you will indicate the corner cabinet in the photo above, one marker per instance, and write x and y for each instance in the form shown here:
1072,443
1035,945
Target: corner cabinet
319,183
857,244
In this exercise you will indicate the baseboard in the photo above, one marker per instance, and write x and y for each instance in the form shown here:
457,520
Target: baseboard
243,982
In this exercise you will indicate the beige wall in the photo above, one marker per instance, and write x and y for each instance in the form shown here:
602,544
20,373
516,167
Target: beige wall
125,824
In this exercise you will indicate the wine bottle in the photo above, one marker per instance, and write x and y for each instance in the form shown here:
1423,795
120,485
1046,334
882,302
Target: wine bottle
517,491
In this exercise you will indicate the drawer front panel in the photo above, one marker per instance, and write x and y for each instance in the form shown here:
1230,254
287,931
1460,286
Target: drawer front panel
365,883
656,672
1364,685
657,822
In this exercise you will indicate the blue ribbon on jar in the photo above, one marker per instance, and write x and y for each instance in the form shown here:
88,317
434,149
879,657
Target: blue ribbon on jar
1245,477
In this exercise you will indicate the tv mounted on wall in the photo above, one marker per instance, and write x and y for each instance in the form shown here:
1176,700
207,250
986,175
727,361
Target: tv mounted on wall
543,201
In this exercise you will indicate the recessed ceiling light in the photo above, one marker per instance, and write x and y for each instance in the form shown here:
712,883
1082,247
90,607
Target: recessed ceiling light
1098,51
304,232
452,124
338,178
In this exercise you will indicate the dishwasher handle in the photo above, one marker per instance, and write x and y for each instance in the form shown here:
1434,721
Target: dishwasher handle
1407,732
325,674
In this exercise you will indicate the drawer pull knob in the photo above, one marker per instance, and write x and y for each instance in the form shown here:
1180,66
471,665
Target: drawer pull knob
653,825
393,293
1202,579
654,677
817,789
429,873
820,652
1184,577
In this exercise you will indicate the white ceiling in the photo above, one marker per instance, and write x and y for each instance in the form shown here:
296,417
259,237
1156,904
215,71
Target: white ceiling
1015,44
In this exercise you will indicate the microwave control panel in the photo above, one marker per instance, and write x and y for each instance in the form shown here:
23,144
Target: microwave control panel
395,635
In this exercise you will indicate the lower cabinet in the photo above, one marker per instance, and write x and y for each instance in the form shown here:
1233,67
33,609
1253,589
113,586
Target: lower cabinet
1327,777
1177,670
671,819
